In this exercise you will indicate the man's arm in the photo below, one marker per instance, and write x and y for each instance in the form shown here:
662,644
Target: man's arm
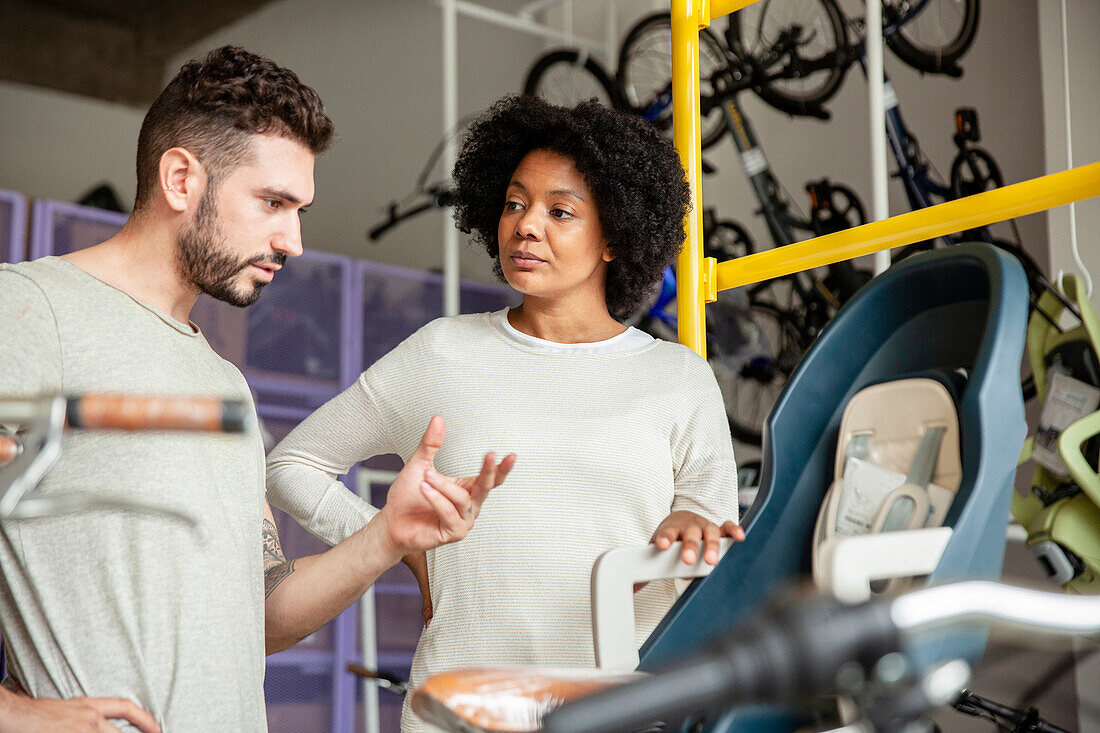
423,510
22,714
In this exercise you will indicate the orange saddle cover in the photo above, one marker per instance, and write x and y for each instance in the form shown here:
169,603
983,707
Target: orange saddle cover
506,699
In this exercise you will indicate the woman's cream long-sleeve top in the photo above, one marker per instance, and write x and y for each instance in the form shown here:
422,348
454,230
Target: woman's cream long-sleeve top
609,437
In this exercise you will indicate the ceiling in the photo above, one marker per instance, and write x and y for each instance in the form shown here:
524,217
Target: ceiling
113,50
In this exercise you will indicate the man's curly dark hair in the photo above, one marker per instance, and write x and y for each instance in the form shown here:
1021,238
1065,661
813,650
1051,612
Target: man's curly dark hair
633,172
213,106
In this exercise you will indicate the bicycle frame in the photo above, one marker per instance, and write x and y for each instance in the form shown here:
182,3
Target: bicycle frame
817,301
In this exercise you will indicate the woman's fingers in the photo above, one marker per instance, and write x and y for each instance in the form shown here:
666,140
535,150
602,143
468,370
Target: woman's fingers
666,536
691,537
734,530
711,538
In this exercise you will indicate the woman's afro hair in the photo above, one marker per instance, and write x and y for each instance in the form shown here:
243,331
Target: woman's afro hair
632,171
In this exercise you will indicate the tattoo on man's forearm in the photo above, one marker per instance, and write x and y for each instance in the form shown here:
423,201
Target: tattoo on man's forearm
276,567
275,575
273,551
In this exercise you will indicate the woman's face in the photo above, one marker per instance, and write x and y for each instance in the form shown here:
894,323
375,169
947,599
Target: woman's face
551,243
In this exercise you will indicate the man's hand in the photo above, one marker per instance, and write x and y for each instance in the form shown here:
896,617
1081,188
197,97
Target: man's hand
21,714
690,528
425,509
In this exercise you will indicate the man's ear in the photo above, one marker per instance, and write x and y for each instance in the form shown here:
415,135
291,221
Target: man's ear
182,179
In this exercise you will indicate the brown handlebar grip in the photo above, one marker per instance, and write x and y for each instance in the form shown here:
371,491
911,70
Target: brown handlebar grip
10,448
131,412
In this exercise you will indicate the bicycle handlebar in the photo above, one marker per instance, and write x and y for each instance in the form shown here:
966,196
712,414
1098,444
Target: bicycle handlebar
42,420
780,654
128,412
439,197
795,651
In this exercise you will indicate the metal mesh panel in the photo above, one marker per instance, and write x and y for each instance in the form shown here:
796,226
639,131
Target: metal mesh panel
292,337
295,541
397,301
58,228
480,298
389,707
299,697
13,218
295,328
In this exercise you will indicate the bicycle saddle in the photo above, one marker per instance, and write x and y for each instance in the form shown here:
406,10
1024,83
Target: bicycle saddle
508,698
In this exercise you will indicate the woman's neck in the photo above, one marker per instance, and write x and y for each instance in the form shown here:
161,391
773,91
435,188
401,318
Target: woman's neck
563,325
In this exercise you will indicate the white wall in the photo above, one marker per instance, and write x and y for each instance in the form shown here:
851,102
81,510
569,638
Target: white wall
1083,26
58,145
377,65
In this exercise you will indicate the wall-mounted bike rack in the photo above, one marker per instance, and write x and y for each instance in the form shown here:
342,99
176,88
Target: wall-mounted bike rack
700,280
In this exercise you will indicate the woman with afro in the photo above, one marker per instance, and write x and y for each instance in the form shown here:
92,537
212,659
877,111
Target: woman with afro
621,439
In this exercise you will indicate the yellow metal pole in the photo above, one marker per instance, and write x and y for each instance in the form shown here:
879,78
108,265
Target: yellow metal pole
978,210
687,18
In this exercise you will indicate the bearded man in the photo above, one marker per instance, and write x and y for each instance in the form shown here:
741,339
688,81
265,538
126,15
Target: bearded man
133,616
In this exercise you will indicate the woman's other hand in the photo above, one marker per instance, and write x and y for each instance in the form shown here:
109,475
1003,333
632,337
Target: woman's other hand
691,529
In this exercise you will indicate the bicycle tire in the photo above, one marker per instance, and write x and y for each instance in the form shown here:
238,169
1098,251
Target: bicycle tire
939,54
566,77
727,240
843,210
973,171
750,36
763,378
645,71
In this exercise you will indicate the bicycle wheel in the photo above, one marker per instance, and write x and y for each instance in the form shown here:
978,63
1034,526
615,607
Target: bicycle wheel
764,373
799,47
645,74
974,171
566,77
938,34
726,240
834,207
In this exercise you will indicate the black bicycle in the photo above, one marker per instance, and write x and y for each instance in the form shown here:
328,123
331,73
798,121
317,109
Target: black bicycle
809,646
792,311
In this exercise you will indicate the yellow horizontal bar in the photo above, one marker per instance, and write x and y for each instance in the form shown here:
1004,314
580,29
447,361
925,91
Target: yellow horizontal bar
981,209
718,8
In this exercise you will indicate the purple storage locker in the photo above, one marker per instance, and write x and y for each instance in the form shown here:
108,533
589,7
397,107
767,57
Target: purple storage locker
307,686
58,228
396,301
295,338
13,226
474,297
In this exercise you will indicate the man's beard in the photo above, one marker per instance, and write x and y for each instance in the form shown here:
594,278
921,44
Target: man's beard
204,262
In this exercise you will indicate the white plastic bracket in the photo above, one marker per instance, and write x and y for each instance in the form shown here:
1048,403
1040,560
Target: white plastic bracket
613,577
852,563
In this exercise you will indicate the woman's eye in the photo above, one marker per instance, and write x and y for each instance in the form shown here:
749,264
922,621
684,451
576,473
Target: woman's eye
512,206
560,214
